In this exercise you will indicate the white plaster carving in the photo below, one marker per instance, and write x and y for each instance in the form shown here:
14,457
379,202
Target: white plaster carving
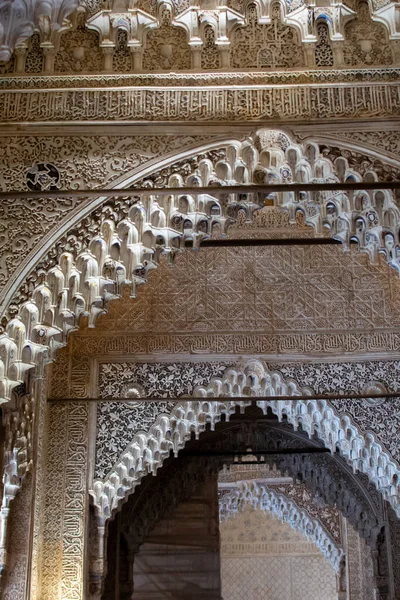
263,25
129,243
18,19
147,451
264,498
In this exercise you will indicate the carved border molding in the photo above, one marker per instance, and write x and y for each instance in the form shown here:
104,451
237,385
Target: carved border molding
291,344
167,80
65,503
298,102
264,498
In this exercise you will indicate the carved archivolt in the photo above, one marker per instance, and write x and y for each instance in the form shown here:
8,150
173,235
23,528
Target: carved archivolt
265,498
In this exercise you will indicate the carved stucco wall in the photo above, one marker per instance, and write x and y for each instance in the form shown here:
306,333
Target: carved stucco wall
62,162
262,557
201,306
360,567
264,289
65,504
95,344
255,29
14,581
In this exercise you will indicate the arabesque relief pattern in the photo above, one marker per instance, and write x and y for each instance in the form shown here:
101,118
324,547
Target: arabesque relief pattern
264,34
220,166
65,503
62,162
61,270
149,447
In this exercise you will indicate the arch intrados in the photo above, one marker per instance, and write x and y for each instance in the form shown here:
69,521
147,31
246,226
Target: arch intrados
333,482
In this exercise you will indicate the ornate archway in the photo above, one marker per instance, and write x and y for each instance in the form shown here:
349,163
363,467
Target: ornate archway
329,479
265,498
131,241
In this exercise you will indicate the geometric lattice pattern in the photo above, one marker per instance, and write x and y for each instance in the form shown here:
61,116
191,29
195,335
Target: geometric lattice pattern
277,578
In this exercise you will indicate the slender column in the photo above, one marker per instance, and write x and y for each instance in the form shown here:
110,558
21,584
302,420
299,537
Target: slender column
98,565
309,49
49,53
338,57
196,55
137,57
108,53
20,54
225,52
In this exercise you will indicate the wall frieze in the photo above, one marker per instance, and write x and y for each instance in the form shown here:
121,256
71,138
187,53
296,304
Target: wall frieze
300,102
167,80
198,344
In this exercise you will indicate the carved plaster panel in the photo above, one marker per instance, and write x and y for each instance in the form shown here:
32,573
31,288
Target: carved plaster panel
167,36
15,578
48,163
261,46
117,422
62,576
275,104
383,420
83,161
292,289
184,80
329,516
179,379
366,41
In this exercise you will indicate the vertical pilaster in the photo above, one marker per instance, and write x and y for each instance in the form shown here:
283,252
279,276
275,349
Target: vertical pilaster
66,503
